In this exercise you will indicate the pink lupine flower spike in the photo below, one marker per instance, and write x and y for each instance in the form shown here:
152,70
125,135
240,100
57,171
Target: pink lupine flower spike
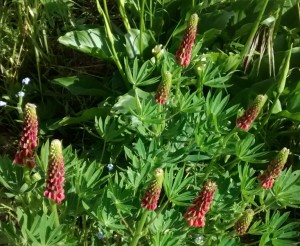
183,54
195,214
268,177
164,87
56,171
28,142
244,122
152,193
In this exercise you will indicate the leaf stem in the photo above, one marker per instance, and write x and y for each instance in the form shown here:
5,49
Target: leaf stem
281,85
54,211
142,26
111,40
138,231
121,4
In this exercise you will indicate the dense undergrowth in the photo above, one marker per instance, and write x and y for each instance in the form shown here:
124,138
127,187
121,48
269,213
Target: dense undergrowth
179,122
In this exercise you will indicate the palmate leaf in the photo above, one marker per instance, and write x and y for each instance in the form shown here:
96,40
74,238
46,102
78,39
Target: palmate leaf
248,183
174,184
139,76
245,153
166,229
40,230
110,129
285,189
276,230
11,177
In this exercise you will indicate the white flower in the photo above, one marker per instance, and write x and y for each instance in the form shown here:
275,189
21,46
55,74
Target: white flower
25,81
110,167
21,93
3,104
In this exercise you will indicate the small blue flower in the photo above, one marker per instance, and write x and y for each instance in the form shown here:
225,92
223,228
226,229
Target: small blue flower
21,93
3,104
25,81
110,167
100,235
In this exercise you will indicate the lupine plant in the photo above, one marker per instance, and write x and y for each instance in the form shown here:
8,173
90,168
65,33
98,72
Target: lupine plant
187,138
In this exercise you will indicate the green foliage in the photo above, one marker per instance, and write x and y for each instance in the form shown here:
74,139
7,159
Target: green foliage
94,71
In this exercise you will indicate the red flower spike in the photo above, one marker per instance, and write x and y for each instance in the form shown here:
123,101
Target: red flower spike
152,193
28,142
183,54
195,214
273,170
164,87
244,222
56,171
244,122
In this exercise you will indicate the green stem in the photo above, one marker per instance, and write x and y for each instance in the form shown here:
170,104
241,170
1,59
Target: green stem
281,85
253,31
102,154
139,229
208,169
121,4
142,26
26,174
111,40
234,130
54,210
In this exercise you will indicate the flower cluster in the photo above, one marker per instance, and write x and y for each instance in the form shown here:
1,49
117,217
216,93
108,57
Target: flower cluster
195,214
164,87
56,171
268,177
242,224
28,142
152,193
244,122
183,54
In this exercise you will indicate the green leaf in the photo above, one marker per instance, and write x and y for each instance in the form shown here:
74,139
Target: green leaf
91,41
83,85
245,153
285,188
133,42
83,116
289,115
174,187
138,75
